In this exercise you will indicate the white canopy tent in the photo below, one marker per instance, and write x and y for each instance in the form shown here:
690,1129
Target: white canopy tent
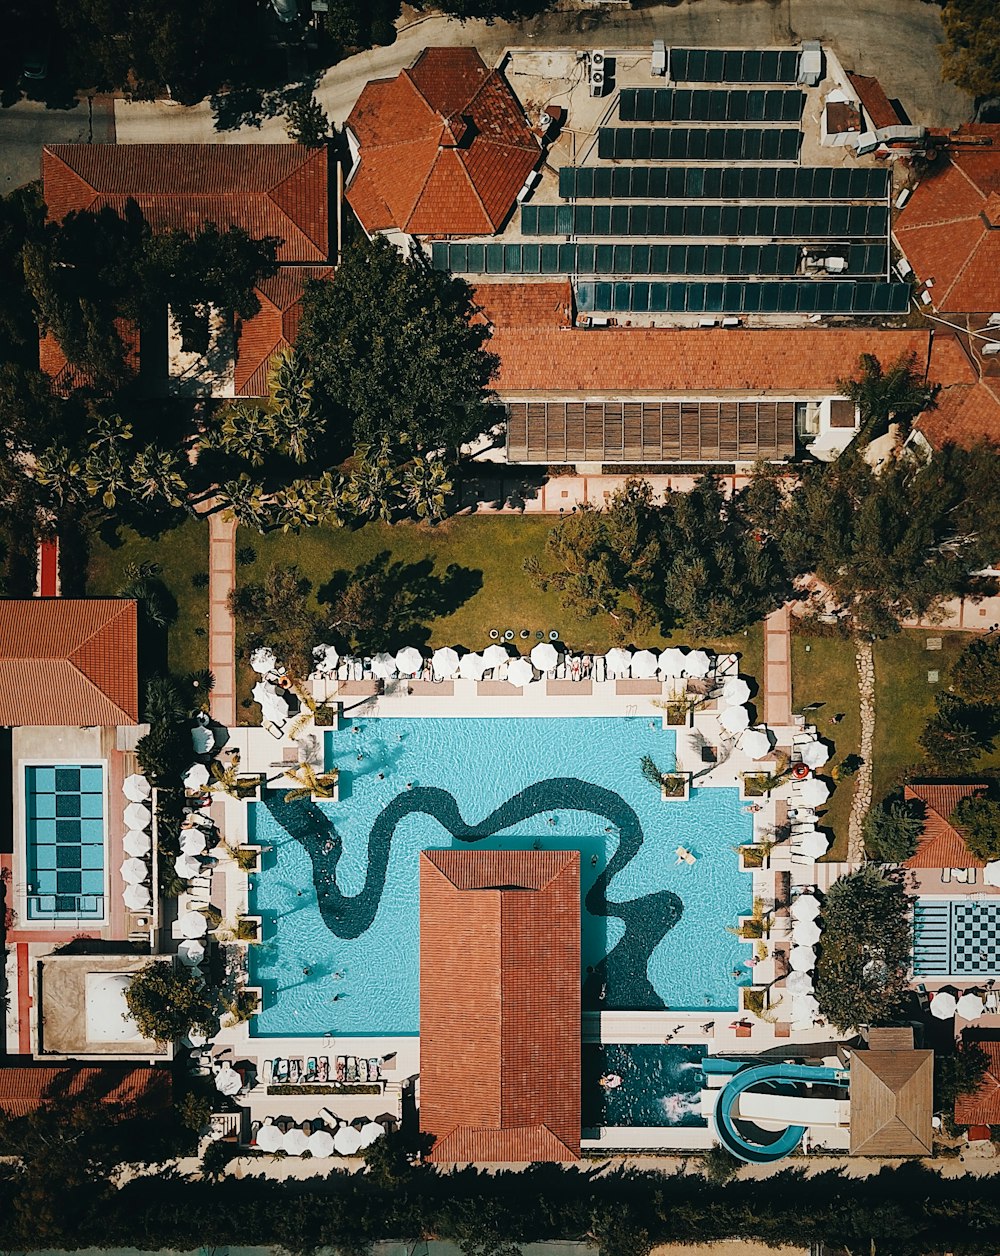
802,959
813,844
755,743
136,897
943,1005
798,983
136,842
812,791
186,866
671,662
494,655
270,1138
734,719
192,925
134,871
136,788
735,692
137,816
806,932
295,1142
320,1144
805,907
347,1140
618,662
813,754
697,663
471,666
970,1006
384,666
409,660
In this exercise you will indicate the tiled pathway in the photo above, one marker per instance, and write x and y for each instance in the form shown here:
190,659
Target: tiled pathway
778,668
221,629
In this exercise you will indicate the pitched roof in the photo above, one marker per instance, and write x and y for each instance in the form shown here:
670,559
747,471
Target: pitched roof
274,326
25,1088
267,189
967,409
941,844
891,1103
950,227
877,105
65,377
68,662
444,148
983,1105
547,304
500,1004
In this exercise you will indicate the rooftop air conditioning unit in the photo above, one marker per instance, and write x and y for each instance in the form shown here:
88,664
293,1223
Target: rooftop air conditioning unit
991,349
597,82
597,60
658,66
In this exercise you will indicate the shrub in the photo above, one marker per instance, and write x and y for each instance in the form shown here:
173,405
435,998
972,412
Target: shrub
167,1003
893,831
246,556
957,1072
979,821
199,580
720,1165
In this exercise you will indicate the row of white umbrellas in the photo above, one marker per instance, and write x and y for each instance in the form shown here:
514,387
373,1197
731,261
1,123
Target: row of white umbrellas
969,1006
347,1141
137,843
806,934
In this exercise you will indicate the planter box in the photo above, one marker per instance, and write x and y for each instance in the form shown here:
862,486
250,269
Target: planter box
752,858
749,791
248,787
754,999
682,794
332,797
328,717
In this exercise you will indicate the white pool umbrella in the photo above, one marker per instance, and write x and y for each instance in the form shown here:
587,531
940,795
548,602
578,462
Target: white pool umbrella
735,692
544,656
136,897
806,932
136,842
384,666
805,907
697,663
370,1133
798,983
804,1007
814,754
802,959
471,666
970,1006
734,719
273,706
618,661
136,788
228,1081
134,871
192,925
813,844
202,739
521,672
494,655
270,1138
347,1140
991,873
320,1144
196,777
186,866
191,952
137,816
296,1141
943,1005
409,660
263,661
644,664
755,744
327,657
671,661
193,842
812,791
444,663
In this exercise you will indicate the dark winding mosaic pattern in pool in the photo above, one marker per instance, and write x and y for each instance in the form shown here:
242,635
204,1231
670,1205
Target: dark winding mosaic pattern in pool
619,981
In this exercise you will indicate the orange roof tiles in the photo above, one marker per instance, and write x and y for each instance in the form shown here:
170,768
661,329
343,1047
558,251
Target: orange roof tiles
507,305
945,228
941,843
274,326
967,409
68,662
500,1004
65,377
25,1088
267,189
444,148
877,105
983,1106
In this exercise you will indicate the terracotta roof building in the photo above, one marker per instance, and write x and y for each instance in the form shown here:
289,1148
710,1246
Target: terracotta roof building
274,327
880,110
967,408
949,229
983,1106
500,1005
279,190
891,1103
26,1088
444,148
68,662
941,843
65,377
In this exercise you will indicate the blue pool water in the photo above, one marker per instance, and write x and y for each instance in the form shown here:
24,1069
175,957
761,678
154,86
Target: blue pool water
660,1085
64,839
340,902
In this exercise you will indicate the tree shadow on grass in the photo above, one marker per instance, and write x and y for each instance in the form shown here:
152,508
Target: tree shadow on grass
383,602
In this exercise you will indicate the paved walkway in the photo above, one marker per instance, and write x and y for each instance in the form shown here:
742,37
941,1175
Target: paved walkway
221,629
778,668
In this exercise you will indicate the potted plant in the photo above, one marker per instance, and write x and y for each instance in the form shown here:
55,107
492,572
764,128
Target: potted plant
318,786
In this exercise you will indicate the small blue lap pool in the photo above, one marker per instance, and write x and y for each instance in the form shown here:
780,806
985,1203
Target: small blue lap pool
642,1084
64,841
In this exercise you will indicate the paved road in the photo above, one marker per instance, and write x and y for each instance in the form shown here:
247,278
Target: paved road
25,127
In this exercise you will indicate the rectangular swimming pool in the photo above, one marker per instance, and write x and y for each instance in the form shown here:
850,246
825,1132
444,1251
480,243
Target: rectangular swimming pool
956,937
642,1084
339,888
64,841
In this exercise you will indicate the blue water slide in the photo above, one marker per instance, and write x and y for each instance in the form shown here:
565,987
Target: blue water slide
763,1075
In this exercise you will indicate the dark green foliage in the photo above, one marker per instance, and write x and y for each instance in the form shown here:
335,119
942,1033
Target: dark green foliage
720,1165
893,830
651,772
958,733
216,1157
957,1072
277,613
306,122
979,821
975,675
861,974
394,351
895,393
167,1003
971,52
164,753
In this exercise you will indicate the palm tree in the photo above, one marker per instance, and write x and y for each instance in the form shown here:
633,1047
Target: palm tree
882,395
426,486
246,431
312,784
291,385
373,486
246,503
57,469
156,472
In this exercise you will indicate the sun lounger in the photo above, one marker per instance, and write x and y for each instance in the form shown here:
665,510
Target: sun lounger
310,1074
362,1069
341,1068
268,1071
945,876
352,1068
294,1071
600,668
374,1069
280,1070
342,670
323,1069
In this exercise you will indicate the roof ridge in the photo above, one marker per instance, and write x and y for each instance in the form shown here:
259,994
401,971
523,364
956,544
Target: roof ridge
420,192
965,265
318,154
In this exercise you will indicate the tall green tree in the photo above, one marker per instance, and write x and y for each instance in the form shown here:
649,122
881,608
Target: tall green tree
897,392
167,1003
277,612
971,51
306,121
893,830
978,820
395,349
975,674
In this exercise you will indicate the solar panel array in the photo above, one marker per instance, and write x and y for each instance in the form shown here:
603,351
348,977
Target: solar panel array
798,222
705,143
713,65
749,183
767,297
643,259
702,104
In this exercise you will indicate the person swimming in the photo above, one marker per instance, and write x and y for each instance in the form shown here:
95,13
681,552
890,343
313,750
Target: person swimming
684,855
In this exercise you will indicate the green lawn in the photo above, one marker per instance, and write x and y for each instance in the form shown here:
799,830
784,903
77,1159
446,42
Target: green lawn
491,589
179,553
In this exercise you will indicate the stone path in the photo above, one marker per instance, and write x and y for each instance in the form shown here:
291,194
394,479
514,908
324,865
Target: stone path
221,629
862,801
778,668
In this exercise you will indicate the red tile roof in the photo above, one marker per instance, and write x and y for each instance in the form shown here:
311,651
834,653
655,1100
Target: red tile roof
25,1088
880,110
444,148
945,229
274,327
500,1004
968,407
941,843
68,662
267,189
507,305
65,377
984,1105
